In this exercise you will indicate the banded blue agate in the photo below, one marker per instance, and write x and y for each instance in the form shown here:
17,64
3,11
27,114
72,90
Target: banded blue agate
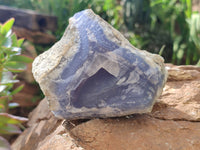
93,71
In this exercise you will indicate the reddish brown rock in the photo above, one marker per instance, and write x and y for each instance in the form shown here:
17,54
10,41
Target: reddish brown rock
173,124
180,99
45,132
141,132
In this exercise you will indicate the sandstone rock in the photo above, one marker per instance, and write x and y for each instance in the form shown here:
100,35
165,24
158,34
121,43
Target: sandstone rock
180,99
45,132
93,71
181,73
171,125
141,132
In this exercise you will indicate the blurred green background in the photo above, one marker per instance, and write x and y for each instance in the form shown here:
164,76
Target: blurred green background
166,27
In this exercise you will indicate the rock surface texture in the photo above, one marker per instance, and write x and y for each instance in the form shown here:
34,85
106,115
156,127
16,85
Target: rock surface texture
45,132
93,71
174,123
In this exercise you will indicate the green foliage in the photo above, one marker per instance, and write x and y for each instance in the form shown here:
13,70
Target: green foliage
8,123
10,62
136,12
64,9
110,10
179,20
169,27
175,26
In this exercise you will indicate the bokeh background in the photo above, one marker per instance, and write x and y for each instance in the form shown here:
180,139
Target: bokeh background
170,28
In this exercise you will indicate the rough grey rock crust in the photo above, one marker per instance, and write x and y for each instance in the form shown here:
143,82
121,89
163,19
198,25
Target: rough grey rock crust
93,71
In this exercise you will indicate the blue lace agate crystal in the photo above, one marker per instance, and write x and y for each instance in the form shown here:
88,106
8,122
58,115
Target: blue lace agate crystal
93,71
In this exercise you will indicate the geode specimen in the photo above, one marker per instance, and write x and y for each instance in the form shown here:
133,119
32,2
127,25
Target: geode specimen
93,71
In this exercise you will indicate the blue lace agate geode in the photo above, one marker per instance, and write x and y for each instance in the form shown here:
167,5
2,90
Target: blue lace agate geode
93,71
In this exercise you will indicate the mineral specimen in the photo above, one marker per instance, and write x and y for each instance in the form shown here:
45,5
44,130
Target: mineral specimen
93,71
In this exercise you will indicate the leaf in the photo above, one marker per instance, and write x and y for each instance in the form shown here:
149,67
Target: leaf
9,129
4,145
161,50
2,87
18,89
17,50
11,119
198,63
21,58
194,24
180,54
5,79
4,103
9,82
7,42
7,26
19,42
9,33
176,43
14,40
156,2
15,66
188,11
108,5
1,56
8,51
11,51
